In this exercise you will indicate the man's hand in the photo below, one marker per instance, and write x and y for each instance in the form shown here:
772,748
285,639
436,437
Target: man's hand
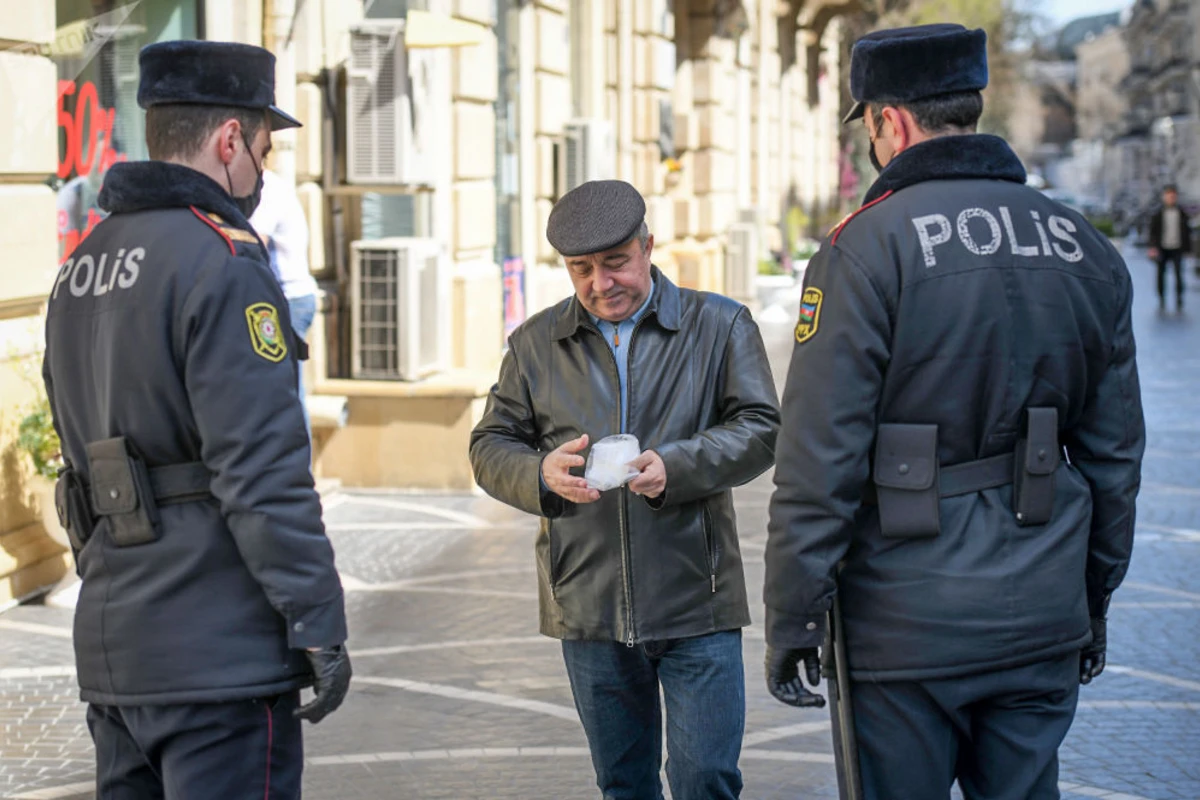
1152,253
331,673
783,676
1092,657
653,480
556,472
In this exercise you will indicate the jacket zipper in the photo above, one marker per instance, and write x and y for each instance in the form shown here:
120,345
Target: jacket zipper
624,489
625,557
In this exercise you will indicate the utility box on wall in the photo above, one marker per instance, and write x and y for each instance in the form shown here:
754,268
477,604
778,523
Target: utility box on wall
390,114
400,309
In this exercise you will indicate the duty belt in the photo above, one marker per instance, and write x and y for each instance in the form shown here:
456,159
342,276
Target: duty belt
181,483
966,478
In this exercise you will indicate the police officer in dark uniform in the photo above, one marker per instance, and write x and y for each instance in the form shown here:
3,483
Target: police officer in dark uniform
961,445
209,593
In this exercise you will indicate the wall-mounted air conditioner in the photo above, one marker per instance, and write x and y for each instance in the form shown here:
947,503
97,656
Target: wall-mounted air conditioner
741,260
400,309
390,107
587,153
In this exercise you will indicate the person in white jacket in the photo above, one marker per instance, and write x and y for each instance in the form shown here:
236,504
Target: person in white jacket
279,220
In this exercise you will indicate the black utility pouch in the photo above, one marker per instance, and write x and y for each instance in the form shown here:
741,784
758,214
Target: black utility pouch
906,481
1037,457
121,491
74,511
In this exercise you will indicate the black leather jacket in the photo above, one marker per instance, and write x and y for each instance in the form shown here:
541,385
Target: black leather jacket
700,395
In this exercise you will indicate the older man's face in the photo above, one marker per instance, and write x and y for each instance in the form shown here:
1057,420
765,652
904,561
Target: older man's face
613,284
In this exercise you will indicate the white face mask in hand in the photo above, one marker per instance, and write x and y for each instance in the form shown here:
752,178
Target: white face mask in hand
608,462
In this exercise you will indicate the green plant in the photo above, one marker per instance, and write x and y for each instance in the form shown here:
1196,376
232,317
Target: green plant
1104,225
37,437
769,266
806,249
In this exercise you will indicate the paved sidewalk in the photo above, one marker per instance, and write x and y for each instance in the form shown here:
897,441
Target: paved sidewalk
457,697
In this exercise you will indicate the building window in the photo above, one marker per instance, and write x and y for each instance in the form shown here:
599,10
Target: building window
99,122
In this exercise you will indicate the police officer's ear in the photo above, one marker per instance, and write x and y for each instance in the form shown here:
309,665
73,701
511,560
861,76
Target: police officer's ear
229,140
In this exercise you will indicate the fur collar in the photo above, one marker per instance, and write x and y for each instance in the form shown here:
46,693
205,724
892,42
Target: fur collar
142,185
949,158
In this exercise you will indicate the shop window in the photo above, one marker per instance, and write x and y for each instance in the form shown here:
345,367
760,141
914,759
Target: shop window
386,215
99,122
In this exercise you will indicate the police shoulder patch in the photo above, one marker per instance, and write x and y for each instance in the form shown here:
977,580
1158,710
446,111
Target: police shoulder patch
265,334
810,314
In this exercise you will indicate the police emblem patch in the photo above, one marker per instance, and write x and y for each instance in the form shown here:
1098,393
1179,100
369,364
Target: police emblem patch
265,335
810,314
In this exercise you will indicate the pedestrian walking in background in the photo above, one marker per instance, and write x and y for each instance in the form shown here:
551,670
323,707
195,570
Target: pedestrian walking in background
279,220
642,583
1170,241
957,335
209,596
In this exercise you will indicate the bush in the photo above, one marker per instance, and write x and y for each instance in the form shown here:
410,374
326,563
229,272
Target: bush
806,249
769,266
37,437
1105,226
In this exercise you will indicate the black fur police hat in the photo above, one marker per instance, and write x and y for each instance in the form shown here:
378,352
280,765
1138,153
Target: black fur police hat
594,217
210,73
904,64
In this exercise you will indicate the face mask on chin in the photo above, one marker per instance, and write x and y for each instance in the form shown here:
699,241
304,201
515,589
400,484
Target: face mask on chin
247,203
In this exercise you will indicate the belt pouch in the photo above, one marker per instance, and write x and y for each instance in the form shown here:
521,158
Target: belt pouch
906,481
1036,459
121,491
74,511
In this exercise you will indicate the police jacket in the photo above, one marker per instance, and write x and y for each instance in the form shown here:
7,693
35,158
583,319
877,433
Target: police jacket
167,328
960,298
700,394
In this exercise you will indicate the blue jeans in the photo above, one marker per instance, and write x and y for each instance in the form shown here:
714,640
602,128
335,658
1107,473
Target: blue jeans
616,693
303,310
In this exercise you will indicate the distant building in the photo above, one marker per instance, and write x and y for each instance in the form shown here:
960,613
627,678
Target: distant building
1160,136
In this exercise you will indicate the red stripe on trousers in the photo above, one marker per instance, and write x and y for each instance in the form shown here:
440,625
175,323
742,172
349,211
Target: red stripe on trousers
270,738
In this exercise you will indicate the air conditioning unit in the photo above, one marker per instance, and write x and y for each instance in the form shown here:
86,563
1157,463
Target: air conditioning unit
400,309
390,119
587,153
741,260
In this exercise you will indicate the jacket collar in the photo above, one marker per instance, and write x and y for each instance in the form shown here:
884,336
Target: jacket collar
973,156
664,306
143,185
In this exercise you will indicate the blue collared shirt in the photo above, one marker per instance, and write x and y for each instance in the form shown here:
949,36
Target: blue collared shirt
618,335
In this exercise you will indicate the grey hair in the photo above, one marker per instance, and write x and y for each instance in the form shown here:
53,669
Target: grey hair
643,234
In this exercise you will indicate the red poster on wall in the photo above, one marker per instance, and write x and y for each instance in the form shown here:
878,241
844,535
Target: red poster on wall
86,153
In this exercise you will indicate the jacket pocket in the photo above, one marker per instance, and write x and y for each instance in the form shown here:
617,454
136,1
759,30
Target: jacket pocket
712,553
555,558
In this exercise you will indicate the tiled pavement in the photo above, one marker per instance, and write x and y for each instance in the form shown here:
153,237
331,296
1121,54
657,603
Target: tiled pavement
457,696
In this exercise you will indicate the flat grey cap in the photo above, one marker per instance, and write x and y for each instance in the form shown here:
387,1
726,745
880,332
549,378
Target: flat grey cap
595,216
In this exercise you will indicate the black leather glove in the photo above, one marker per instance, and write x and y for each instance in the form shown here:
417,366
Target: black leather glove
1091,657
331,673
783,676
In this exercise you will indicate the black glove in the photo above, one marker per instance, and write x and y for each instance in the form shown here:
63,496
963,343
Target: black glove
331,673
783,676
1091,657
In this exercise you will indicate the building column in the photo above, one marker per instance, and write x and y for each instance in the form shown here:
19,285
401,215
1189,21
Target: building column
29,558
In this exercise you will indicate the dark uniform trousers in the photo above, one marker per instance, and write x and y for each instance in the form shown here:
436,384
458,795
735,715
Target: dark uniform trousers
996,732
248,749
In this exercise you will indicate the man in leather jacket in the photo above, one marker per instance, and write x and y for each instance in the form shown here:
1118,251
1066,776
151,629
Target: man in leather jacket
643,583
209,593
956,336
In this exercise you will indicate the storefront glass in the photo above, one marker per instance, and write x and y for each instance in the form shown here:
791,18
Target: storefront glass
99,122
